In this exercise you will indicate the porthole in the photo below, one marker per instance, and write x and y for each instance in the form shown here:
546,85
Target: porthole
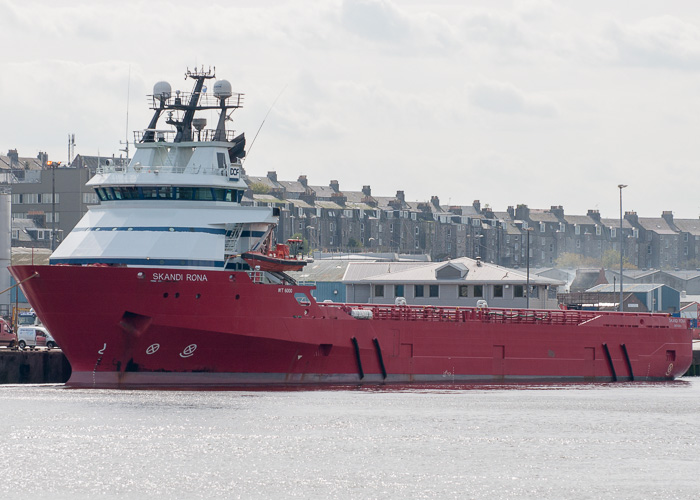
165,295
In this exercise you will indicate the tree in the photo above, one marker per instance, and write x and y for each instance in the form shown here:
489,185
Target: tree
259,188
304,243
574,261
611,260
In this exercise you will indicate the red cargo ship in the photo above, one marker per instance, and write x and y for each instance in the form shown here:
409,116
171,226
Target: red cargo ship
152,289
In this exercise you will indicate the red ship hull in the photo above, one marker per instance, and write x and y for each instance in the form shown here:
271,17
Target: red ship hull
143,328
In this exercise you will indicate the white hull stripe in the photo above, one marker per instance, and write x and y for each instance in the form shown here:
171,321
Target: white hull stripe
140,262
208,230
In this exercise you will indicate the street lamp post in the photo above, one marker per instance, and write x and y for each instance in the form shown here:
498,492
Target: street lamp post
621,187
479,245
527,287
311,242
53,205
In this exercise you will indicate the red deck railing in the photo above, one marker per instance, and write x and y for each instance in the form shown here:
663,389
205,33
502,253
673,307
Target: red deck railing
484,315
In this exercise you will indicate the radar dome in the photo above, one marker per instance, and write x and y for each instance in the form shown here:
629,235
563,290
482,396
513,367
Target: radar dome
162,90
222,89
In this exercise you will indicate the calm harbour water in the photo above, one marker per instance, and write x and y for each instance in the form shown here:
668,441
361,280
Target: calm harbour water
551,441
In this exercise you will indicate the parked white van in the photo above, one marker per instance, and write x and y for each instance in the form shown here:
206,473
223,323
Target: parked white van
34,336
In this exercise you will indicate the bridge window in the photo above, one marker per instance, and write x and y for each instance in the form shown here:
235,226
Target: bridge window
169,193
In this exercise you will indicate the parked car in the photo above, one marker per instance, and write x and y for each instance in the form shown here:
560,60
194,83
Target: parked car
50,342
7,336
32,333
34,336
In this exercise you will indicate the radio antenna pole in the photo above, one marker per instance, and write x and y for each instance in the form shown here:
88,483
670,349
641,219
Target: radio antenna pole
263,122
126,132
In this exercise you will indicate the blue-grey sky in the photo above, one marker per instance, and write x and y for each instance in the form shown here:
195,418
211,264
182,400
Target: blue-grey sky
536,102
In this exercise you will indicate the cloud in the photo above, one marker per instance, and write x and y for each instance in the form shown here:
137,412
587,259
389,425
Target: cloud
375,20
656,42
506,98
496,28
406,32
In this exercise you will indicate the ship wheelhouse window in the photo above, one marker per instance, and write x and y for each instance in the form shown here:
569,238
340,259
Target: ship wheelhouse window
103,194
169,193
148,192
130,193
218,194
184,193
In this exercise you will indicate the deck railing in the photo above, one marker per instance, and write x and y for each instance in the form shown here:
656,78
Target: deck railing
484,315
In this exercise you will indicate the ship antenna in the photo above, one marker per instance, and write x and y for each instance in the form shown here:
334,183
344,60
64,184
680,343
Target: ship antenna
126,132
263,122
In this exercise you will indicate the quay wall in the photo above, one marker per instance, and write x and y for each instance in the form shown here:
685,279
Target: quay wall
33,367
694,370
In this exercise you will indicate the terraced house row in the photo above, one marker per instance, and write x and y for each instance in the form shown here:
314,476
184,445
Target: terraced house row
332,219
335,220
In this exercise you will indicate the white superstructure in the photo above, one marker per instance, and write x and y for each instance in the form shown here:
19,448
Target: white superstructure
177,203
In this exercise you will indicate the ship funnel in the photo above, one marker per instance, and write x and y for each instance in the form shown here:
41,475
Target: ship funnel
222,89
162,91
